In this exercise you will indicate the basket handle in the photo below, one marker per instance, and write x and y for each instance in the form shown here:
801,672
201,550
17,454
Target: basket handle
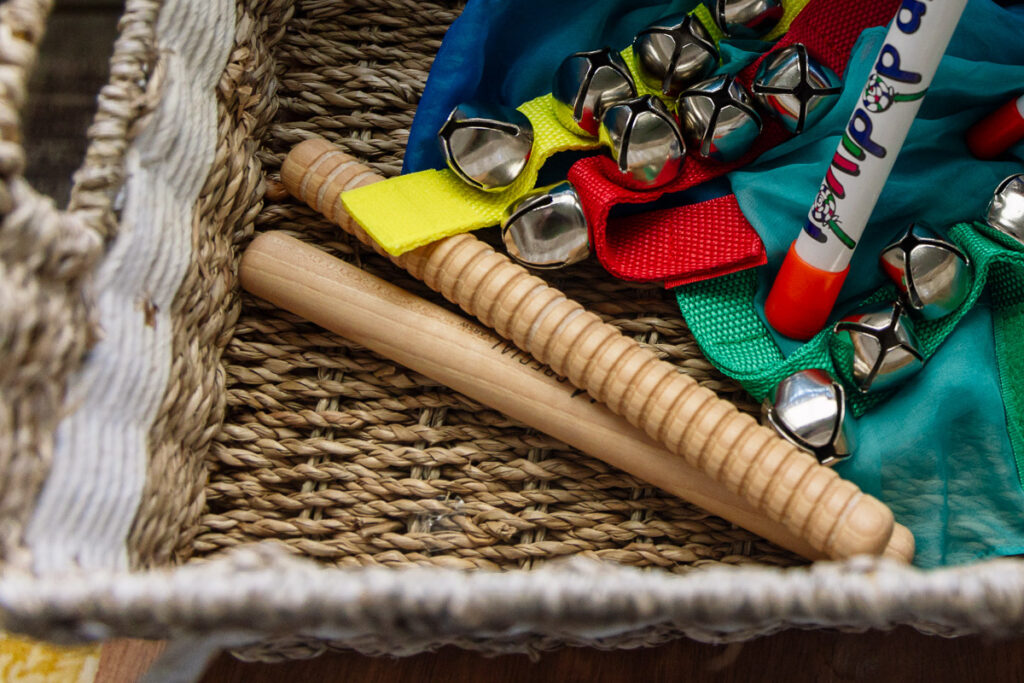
59,244
70,246
22,24
783,483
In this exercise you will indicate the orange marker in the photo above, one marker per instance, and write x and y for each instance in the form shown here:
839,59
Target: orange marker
806,288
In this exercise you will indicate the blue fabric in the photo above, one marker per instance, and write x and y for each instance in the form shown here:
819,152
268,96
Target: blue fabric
938,452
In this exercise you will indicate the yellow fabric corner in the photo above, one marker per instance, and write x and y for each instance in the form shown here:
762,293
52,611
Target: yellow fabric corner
27,661
409,211
790,9
642,88
703,15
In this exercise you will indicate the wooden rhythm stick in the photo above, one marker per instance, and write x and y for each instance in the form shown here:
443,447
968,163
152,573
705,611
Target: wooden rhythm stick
384,318
782,482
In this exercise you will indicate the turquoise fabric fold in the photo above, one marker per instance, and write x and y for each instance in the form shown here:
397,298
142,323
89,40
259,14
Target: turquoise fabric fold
937,451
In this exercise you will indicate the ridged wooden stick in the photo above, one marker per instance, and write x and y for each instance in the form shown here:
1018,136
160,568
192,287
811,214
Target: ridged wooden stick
420,335
787,485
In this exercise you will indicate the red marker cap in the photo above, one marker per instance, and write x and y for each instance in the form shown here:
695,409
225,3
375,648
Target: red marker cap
802,297
998,131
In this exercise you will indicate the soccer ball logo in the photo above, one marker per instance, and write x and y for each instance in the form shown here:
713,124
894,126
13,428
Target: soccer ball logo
824,209
878,96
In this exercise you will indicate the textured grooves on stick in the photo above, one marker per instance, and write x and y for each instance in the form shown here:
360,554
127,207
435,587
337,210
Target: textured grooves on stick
692,421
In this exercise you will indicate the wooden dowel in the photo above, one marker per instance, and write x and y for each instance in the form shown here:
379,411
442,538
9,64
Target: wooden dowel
420,335
780,481
901,544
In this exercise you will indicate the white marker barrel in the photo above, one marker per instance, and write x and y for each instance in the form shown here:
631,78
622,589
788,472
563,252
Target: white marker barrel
809,281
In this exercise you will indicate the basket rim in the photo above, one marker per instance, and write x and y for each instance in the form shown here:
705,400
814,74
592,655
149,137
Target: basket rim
251,594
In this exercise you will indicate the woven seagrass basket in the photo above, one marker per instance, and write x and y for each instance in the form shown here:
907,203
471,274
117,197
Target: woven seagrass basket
179,460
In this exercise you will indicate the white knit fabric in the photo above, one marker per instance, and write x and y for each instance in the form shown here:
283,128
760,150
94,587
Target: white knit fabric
90,498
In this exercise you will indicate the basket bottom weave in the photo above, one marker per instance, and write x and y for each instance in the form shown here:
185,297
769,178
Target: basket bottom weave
344,456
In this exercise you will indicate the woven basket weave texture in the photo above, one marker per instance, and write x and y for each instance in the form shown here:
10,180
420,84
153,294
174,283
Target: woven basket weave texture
273,430
350,459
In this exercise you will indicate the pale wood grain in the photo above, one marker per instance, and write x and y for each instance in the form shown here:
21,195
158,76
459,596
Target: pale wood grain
832,515
126,660
422,336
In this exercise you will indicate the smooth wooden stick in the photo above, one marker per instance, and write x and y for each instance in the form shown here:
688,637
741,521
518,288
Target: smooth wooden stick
470,359
420,335
782,482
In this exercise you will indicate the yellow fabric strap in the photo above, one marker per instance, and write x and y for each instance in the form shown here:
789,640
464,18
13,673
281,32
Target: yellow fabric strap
703,15
412,210
790,9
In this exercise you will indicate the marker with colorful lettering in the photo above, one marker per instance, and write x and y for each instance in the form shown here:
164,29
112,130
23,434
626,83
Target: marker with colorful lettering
806,288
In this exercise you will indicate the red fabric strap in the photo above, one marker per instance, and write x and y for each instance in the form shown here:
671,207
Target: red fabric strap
711,238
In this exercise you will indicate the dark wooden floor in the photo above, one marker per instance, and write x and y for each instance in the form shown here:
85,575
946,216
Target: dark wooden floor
823,657
69,75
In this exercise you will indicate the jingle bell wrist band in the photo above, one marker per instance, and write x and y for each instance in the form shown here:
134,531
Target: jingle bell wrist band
409,211
719,313
644,251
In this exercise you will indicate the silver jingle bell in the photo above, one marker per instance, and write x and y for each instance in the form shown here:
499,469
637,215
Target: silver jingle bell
796,88
876,349
645,141
546,228
486,146
1006,210
674,53
747,18
933,275
808,409
718,118
586,84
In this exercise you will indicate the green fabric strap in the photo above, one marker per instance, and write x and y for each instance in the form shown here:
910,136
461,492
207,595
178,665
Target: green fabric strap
723,320
1007,291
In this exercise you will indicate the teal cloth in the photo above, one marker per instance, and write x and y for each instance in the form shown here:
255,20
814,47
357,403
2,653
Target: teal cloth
938,451
736,339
